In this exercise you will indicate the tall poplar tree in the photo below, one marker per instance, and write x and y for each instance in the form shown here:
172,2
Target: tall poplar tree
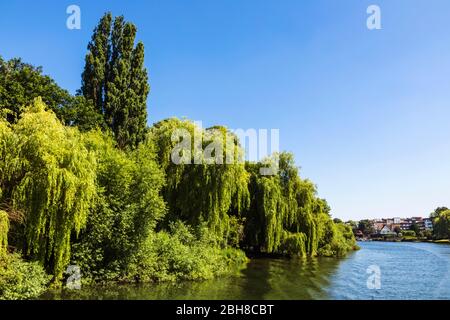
116,80
93,79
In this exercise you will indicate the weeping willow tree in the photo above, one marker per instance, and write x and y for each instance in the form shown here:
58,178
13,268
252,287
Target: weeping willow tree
206,180
285,215
279,217
5,146
6,140
49,176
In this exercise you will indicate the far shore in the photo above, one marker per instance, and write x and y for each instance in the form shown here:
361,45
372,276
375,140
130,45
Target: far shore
442,241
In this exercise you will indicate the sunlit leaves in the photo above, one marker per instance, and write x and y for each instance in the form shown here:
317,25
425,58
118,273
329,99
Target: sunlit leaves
21,82
116,80
127,207
198,190
51,178
442,225
285,215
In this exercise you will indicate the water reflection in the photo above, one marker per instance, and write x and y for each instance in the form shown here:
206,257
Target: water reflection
278,279
409,271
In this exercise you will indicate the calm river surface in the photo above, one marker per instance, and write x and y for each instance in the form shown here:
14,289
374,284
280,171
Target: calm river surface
408,271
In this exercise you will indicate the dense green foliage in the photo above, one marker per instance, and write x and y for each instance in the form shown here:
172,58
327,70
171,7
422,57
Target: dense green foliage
366,227
5,137
48,175
438,211
286,216
338,240
21,83
408,233
83,181
127,207
180,254
116,81
415,227
197,190
102,208
20,279
441,228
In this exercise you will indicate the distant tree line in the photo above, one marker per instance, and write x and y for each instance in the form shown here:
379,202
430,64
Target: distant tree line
441,223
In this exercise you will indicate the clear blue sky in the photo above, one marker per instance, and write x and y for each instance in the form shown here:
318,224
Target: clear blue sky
365,112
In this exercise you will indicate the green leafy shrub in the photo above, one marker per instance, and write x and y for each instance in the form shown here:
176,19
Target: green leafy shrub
294,244
180,255
408,233
441,223
338,241
21,83
127,207
20,279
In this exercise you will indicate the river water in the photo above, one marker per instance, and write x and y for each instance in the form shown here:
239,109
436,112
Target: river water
406,271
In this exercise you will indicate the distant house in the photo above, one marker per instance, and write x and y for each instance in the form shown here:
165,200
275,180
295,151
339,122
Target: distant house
385,231
419,222
406,224
378,225
389,226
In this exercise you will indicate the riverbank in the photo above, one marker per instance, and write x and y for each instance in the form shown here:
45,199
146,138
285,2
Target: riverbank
406,239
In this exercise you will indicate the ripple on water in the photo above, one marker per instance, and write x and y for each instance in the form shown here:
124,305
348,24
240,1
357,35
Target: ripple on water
408,271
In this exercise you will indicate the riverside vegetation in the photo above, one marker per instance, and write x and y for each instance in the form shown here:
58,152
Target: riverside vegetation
84,181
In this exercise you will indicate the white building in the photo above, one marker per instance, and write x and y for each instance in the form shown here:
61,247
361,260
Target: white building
386,231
